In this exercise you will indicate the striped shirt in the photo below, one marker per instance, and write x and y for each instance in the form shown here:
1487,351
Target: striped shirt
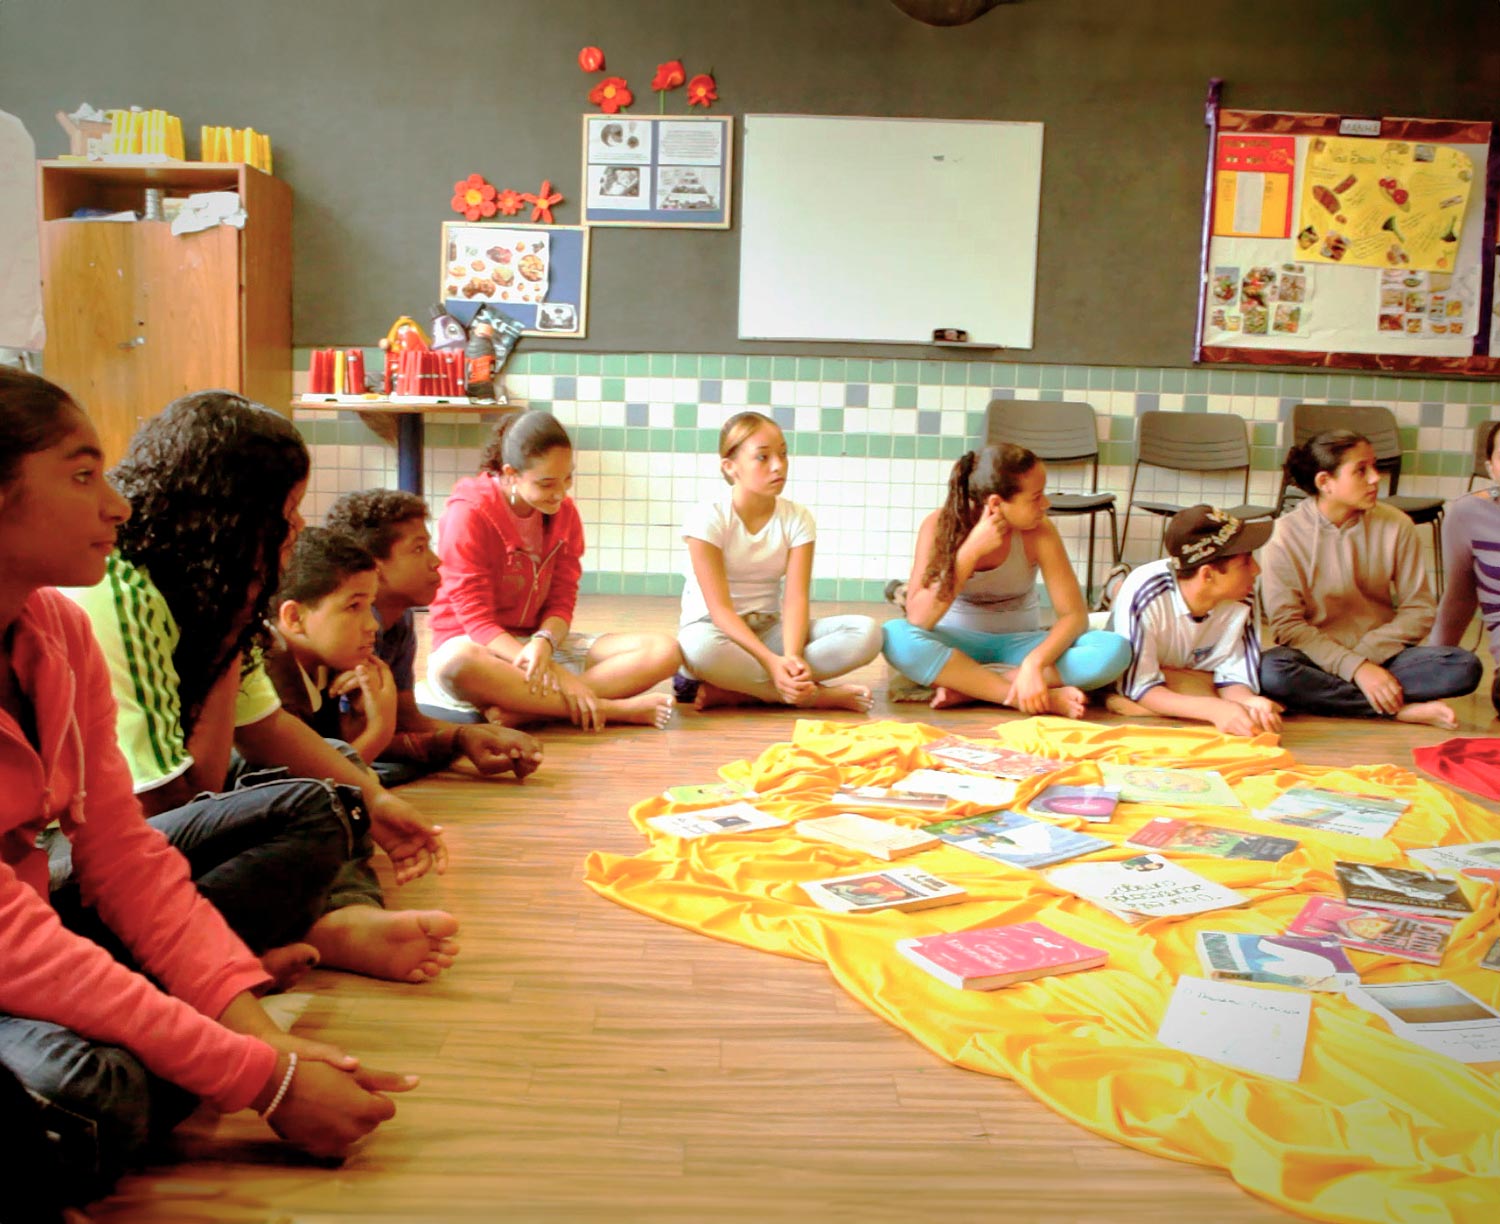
1471,563
138,634
1150,613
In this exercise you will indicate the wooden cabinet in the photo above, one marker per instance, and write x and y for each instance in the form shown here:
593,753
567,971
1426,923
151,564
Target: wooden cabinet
136,316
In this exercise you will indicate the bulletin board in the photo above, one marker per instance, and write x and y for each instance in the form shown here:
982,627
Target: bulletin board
883,230
1349,243
675,171
536,274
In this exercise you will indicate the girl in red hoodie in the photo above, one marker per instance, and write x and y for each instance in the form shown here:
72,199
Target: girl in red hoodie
124,996
511,543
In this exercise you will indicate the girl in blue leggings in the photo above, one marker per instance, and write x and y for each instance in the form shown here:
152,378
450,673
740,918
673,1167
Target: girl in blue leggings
972,628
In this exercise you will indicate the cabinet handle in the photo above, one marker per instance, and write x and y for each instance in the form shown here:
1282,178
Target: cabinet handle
128,344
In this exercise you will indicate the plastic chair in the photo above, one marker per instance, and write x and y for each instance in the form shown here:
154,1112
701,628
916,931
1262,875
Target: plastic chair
1481,454
1059,432
1377,423
1191,442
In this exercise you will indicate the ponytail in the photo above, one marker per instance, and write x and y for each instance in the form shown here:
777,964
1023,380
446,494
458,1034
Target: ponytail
1321,453
520,439
976,475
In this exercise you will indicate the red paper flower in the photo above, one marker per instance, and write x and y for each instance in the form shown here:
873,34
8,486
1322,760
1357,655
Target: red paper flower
509,202
611,94
591,59
473,197
669,75
542,202
701,91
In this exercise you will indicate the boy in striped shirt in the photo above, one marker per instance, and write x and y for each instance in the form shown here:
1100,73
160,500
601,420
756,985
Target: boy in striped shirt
1190,622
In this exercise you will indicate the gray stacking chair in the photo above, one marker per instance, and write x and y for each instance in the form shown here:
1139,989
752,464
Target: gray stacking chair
1192,442
1059,432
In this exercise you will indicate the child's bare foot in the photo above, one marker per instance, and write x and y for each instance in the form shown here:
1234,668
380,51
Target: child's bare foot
854,697
398,945
1068,701
287,964
647,709
711,695
944,698
1433,713
1118,703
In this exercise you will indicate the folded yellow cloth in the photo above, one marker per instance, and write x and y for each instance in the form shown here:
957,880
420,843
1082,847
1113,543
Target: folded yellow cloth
1376,1129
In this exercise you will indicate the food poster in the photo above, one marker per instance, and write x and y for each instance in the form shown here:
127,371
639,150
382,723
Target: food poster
1260,300
1395,204
494,264
618,165
1421,304
1253,186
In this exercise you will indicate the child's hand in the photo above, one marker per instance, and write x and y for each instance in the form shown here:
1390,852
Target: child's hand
1233,719
988,534
582,701
413,845
535,663
493,749
1381,689
791,677
377,694
1264,713
326,1110
1028,689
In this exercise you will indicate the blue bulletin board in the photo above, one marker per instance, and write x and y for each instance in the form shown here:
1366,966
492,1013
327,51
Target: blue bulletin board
536,274
672,171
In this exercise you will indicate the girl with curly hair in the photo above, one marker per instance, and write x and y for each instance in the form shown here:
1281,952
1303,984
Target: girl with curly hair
125,997
972,627
214,484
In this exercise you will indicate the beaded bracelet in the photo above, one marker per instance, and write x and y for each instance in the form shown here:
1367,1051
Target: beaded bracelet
286,1083
546,636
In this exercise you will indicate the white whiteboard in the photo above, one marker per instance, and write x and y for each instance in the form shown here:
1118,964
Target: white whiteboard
881,230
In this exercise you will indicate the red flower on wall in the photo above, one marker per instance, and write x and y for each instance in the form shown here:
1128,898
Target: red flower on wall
542,202
509,202
591,59
473,197
611,94
668,76
701,90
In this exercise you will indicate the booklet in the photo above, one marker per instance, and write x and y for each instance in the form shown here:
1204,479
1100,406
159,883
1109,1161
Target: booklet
960,788
991,957
900,888
1002,762
1308,807
1096,804
878,838
1438,1016
729,818
1242,1026
1481,860
1173,787
887,797
1164,833
1412,892
1019,841
1384,932
1277,960
1147,886
706,792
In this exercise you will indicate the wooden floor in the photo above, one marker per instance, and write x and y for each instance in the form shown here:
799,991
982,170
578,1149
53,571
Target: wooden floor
582,1062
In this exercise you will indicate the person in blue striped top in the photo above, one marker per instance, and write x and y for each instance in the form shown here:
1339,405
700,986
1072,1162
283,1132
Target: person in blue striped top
1471,564
1190,622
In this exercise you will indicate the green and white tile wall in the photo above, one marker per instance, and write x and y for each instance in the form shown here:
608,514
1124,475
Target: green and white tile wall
872,443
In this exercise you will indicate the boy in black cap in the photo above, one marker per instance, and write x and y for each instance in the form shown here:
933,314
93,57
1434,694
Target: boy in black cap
1190,622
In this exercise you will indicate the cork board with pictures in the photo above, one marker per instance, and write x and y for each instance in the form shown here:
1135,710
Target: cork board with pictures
536,274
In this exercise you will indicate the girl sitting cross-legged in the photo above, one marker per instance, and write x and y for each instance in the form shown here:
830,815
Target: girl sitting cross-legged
972,627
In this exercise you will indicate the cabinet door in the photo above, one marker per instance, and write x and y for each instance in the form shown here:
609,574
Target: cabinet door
93,324
189,289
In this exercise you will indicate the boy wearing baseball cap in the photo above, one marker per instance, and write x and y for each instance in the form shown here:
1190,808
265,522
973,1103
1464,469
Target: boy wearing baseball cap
1190,622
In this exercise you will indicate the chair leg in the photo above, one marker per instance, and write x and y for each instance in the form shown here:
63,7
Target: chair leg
1114,535
1088,586
1437,551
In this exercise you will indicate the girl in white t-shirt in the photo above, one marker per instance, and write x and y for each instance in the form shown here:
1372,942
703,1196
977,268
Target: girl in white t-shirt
745,629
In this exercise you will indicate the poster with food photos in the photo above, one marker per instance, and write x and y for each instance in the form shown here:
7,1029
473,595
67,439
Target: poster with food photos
1262,300
658,170
536,274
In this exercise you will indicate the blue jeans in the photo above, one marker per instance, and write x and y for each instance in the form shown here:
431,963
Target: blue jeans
1426,673
1091,662
266,856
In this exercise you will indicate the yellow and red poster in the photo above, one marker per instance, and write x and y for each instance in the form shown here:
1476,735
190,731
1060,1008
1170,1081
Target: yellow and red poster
1253,186
1383,203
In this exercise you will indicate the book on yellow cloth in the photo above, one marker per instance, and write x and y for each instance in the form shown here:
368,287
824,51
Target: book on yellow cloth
1147,886
878,838
991,957
1000,761
730,818
1174,787
900,888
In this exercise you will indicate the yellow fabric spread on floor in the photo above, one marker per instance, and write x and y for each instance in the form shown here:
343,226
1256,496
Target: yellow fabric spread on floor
1377,1129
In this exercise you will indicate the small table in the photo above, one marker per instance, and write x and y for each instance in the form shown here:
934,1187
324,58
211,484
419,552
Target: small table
399,419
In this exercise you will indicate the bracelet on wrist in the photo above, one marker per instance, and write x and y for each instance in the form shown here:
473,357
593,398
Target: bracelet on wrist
546,636
286,1084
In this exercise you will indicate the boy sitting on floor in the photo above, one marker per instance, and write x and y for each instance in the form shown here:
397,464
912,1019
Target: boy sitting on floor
1190,622
348,678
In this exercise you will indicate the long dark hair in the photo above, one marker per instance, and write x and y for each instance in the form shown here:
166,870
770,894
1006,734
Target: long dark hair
33,417
1321,453
522,438
208,481
976,475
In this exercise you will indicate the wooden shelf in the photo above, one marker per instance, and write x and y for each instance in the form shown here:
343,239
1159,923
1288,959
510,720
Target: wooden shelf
424,406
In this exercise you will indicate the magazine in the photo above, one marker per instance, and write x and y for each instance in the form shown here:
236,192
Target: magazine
729,818
1438,1016
1384,932
1480,860
1096,804
1172,787
1412,892
991,957
1002,762
1019,841
1164,833
1277,960
1308,807
1147,886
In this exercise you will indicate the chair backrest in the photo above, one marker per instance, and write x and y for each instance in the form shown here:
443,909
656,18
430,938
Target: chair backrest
1060,430
1192,441
1372,420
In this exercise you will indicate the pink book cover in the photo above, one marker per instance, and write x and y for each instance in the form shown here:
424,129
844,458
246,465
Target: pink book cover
1024,949
1384,932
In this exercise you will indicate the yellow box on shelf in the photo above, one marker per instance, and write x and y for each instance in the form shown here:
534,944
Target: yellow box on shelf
227,144
153,132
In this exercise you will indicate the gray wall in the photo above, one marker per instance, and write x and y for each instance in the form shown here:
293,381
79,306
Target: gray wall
376,107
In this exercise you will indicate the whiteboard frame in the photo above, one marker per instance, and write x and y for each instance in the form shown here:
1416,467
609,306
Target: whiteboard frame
862,229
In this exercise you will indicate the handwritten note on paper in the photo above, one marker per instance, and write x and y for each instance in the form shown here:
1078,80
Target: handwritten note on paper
1264,1031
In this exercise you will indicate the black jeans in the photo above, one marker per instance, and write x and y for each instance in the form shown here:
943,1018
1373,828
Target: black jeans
1426,673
